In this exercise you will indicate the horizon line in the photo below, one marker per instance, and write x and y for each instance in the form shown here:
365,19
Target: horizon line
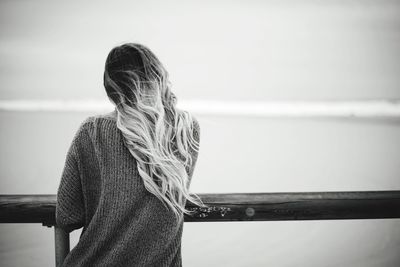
332,108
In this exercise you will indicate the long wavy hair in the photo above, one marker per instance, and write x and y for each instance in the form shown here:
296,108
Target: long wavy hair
158,134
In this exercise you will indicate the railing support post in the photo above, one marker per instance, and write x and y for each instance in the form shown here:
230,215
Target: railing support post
61,241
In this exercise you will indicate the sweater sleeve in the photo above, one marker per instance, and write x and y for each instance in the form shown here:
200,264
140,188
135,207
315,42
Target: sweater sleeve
70,211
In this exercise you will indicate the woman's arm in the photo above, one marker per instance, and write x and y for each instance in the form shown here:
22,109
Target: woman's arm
70,211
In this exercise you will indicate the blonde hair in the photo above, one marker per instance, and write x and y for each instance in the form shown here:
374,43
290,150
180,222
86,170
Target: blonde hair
154,129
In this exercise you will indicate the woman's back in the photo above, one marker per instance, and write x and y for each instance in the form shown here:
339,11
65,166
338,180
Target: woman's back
124,224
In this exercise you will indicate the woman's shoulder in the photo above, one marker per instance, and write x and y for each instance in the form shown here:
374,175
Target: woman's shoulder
101,117
107,116
94,121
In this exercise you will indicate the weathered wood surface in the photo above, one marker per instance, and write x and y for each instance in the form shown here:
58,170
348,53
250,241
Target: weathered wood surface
28,209
238,207
299,206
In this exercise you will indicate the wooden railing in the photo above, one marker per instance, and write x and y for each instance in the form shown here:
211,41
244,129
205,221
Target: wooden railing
228,207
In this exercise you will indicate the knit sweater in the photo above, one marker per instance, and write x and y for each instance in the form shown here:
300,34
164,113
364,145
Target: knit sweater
100,189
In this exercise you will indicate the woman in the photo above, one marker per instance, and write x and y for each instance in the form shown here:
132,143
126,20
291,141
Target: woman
127,173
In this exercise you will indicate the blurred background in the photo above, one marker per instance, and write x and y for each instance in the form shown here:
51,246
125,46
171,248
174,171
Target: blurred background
221,52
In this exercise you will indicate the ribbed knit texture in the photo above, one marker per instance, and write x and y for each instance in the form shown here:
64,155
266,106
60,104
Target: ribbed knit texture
100,189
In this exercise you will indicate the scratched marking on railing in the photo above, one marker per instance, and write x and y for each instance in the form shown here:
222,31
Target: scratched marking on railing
287,212
200,212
